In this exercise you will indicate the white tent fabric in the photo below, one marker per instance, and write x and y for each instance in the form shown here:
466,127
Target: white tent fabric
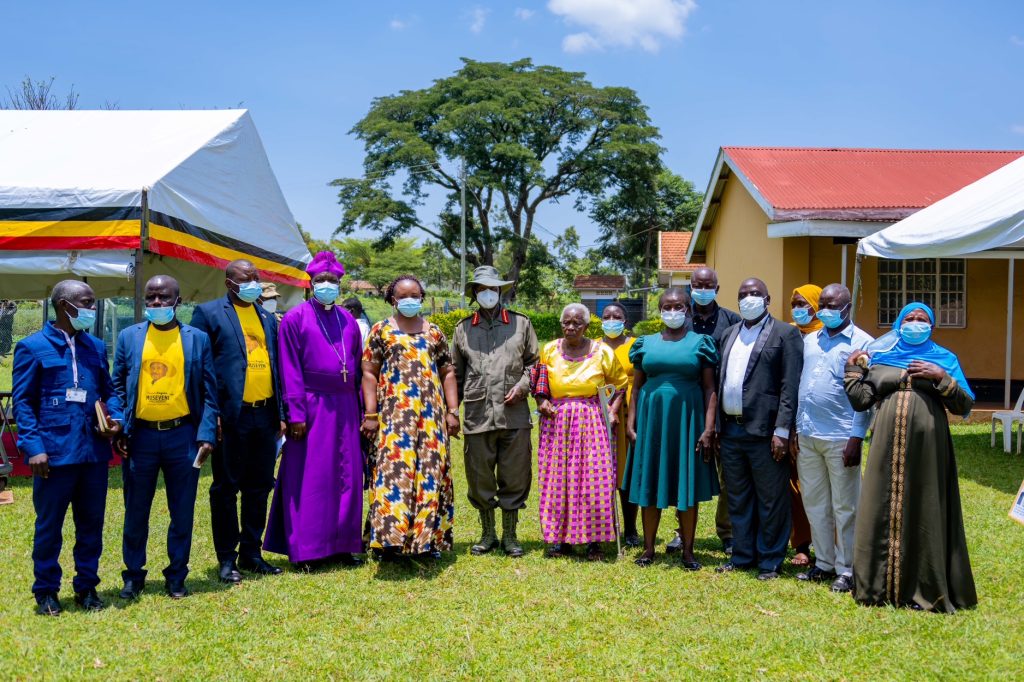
984,216
71,187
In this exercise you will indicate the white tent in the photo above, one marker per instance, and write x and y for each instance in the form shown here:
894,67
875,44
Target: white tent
983,220
118,196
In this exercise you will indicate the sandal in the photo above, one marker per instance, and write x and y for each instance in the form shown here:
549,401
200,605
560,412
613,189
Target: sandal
690,565
643,561
800,559
557,551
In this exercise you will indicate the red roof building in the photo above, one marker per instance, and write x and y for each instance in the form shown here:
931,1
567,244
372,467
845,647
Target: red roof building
674,268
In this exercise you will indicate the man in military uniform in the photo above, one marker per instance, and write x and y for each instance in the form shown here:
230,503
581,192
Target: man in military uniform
494,349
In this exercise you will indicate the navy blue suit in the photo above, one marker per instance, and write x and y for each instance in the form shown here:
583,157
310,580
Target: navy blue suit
65,431
243,461
172,451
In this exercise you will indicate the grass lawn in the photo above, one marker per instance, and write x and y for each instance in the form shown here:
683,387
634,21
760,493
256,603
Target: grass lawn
532,618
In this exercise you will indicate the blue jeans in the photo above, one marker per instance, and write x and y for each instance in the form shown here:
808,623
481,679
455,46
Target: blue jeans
150,452
84,488
759,506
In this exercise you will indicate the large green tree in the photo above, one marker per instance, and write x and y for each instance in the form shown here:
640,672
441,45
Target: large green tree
631,219
527,135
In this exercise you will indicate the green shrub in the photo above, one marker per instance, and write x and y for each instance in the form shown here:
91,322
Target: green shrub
548,326
651,326
446,321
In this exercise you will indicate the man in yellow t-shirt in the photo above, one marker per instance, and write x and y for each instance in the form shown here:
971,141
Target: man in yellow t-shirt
162,384
244,341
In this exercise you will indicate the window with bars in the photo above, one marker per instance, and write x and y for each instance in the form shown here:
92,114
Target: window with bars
940,283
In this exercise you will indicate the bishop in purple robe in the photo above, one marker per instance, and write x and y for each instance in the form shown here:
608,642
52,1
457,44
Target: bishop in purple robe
316,513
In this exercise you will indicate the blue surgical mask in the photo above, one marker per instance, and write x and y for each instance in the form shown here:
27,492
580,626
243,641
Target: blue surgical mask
915,333
613,328
673,319
326,292
703,296
160,316
831,318
751,307
409,307
802,316
86,318
248,291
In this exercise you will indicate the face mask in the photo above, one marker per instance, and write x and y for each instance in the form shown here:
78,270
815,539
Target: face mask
270,305
802,316
915,333
160,316
673,319
409,307
248,291
703,296
831,318
86,318
613,328
751,307
326,292
487,298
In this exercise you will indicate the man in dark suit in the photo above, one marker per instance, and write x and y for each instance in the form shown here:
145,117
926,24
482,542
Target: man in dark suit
244,340
59,374
759,383
165,383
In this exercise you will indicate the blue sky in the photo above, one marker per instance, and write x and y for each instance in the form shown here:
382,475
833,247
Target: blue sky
915,74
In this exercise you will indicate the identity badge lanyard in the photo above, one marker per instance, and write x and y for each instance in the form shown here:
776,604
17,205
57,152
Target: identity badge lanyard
75,394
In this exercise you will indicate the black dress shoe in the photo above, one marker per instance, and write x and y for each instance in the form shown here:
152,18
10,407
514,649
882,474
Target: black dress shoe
259,566
48,605
89,600
816,575
674,545
132,589
768,575
176,589
843,583
229,573
632,540
691,565
350,560
728,567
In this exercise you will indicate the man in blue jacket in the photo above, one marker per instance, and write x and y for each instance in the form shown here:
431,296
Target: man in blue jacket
244,340
59,374
164,378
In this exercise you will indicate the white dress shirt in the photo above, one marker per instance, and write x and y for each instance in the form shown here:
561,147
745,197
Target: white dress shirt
736,370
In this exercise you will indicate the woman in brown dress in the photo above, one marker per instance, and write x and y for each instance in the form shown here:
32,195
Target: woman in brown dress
909,545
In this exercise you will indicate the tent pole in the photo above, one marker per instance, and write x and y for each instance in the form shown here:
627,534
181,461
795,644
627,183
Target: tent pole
842,274
143,239
856,285
1009,332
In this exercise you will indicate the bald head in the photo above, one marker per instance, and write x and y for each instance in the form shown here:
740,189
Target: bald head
835,293
704,278
162,291
241,270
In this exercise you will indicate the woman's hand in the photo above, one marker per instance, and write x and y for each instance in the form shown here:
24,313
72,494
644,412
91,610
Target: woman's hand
855,358
706,444
452,425
546,408
369,427
918,369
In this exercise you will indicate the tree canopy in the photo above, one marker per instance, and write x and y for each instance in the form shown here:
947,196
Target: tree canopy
527,135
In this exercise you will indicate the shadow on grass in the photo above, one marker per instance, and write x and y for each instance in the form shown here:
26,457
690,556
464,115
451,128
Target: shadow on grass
414,568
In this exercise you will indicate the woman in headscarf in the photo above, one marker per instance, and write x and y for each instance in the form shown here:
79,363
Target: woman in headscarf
804,305
575,455
618,338
909,544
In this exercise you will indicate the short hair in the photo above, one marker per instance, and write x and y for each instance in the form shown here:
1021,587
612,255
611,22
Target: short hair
678,291
575,306
174,283
616,304
389,293
65,289
236,265
352,302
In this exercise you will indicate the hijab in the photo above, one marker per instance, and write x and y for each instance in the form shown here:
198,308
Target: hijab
811,293
903,353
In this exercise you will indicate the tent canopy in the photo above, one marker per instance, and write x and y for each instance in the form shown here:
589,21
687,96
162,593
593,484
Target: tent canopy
985,217
71,200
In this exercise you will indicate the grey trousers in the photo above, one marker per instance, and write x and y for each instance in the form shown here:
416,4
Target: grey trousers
498,470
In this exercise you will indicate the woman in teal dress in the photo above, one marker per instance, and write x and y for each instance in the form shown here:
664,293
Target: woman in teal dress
671,423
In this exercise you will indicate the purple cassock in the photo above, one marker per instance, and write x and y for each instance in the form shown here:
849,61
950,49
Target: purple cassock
318,498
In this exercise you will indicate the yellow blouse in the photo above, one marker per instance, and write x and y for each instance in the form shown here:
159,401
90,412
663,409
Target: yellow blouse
622,355
581,378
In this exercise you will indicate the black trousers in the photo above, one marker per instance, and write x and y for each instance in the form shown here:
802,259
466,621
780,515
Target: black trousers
243,462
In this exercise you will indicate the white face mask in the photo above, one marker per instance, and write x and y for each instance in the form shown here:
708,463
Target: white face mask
487,298
751,307
270,305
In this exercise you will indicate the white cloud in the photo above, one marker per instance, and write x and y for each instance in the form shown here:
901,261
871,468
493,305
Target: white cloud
1017,40
523,13
398,25
1017,128
622,23
478,17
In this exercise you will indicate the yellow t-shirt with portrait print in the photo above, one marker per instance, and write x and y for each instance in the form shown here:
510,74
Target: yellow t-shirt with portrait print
162,379
259,382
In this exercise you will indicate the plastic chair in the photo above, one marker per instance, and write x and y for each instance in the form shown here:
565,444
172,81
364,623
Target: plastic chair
1009,418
